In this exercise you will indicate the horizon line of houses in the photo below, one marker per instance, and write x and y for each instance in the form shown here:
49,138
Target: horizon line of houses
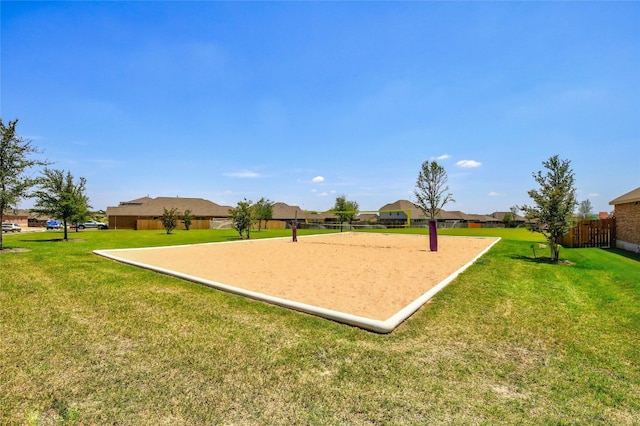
146,213
141,213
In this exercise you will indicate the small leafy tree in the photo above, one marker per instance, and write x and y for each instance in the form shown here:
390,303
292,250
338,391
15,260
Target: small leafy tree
432,193
507,219
514,215
241,217
62,198
15,160
555,201
169,219
345,210
80,217
187,218
585,211
263,210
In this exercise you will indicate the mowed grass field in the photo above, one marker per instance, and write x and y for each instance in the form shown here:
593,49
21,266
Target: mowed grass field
85,340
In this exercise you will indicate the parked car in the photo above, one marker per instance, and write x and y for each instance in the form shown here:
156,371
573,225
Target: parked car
53,224
11,227
93,224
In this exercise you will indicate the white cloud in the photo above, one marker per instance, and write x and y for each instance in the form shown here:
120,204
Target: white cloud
468,164
443,157
318,179
496,194
593,194
243,174
322,194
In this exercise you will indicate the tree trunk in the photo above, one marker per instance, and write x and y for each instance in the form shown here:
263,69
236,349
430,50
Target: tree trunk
555,251
433,236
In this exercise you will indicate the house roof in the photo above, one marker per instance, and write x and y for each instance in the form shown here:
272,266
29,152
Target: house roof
146,206
629,197
320,216
416,213
452,215
24,213
367,217
499,216
283,211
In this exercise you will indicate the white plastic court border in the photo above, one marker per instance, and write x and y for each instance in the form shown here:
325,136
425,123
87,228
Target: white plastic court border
378,326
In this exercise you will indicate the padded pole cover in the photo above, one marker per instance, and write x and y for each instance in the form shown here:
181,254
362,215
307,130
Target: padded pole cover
433,236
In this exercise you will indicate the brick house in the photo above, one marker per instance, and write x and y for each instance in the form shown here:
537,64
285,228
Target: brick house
627,213
284,215
146,213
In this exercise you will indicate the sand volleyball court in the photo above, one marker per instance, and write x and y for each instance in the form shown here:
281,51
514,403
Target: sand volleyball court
370,280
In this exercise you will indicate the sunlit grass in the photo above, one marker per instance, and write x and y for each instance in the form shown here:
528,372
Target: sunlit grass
84,340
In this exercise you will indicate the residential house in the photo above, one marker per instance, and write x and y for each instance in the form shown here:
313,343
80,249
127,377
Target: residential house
402,213
517,221
320,220
284,215
25,218
627,214
367,218
146,213
456,219
21,217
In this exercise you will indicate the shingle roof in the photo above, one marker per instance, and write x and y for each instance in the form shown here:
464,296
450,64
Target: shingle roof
499,216
416,213
146,206
452,215
372,217
629,197
283,211
319,216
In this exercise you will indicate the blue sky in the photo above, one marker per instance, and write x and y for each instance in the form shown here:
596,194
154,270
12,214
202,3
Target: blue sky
301,102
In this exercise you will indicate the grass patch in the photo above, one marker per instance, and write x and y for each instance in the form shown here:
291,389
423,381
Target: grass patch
84,340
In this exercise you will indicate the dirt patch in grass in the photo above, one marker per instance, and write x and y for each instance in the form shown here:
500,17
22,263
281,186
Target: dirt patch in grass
14,250
365,274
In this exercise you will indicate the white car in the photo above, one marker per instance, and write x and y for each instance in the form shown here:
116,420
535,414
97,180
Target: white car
93,224
10,227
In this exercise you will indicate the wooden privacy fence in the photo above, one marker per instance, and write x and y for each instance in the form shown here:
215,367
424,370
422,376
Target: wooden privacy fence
591,233
156,224
152,224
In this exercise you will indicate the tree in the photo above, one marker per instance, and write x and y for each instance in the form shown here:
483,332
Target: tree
555,202
514,215
432,193
242,216
263,210
345,210
507,219
510,218
187,218
585,211
169,219
15,160
61,198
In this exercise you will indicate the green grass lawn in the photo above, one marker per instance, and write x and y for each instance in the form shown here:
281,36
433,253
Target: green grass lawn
85,340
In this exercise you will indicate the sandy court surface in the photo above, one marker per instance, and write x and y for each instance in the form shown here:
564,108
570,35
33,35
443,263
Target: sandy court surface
365,274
